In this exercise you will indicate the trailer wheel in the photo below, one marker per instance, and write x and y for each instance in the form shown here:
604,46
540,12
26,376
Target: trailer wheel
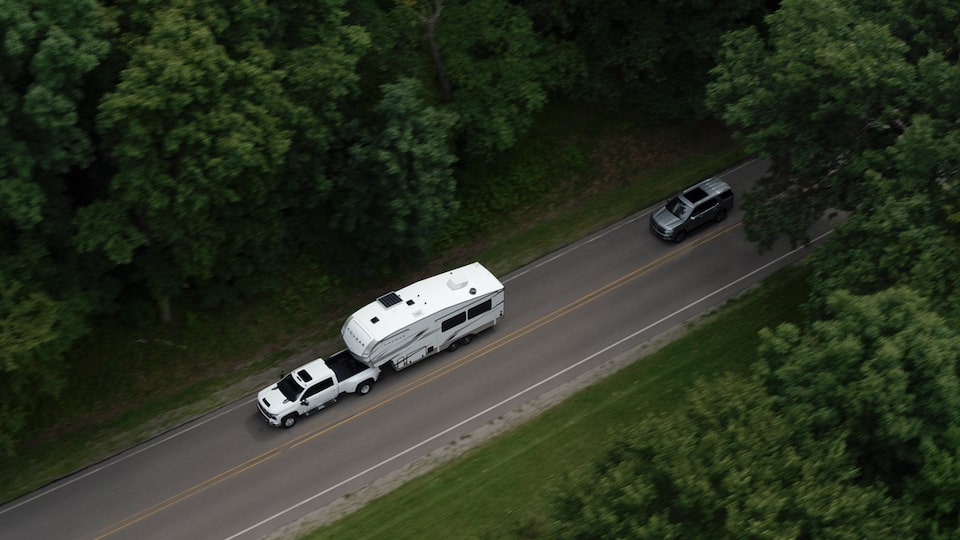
365,387
466,340
289,420
452,347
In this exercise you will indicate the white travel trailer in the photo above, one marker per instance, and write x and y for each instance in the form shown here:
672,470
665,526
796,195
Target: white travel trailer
429,316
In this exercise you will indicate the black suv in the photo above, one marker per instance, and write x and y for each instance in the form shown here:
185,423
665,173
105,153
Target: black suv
710,200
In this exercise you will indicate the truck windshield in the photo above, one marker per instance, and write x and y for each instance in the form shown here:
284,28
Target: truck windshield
289,387
677,207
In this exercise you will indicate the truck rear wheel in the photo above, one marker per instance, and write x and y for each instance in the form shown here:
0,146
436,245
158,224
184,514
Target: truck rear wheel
289,420
365,387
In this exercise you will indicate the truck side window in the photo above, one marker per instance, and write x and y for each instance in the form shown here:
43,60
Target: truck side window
459,318
317,388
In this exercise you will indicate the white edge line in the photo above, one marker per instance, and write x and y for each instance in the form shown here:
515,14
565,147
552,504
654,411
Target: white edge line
524,391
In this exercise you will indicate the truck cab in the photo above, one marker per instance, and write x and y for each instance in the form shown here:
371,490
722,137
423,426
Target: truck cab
303,391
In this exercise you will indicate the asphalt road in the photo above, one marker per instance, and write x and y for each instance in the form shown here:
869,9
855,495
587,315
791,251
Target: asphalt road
228,475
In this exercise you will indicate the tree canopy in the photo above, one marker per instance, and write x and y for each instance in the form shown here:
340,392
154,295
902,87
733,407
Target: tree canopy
729,466
881,372
410,193
196,138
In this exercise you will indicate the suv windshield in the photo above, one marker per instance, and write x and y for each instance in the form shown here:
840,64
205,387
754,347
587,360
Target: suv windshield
289,387
677,207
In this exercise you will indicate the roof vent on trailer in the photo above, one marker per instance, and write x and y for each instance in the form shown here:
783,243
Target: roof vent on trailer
456,285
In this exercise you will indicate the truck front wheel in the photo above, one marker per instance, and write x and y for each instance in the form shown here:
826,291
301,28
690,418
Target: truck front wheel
289,420
365,387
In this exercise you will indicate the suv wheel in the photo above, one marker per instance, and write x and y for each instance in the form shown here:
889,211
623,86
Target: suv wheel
721,215
679,237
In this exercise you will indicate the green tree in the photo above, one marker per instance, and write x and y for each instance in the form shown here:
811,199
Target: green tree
35,332
401,189
825,89
935,492
892,242
925,160
479,58
197,142
319,54
819,90
49,49
47,291
881,372
499,70
728,466
652,54
428,14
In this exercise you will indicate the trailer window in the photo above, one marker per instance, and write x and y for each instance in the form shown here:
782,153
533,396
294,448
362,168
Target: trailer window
460,318
480,309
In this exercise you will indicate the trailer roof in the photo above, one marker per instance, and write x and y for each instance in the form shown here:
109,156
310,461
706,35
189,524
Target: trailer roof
424,298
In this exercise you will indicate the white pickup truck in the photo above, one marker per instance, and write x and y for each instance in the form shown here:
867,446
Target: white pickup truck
313,386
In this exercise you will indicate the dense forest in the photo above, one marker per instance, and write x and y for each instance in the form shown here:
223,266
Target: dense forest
162,153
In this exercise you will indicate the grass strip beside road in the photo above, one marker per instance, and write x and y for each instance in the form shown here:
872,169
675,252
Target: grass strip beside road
501,488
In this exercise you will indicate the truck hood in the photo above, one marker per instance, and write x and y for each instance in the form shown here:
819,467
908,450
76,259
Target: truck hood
665,219
273,400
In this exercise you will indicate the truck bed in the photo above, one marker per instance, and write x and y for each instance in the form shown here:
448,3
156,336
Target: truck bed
345,365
